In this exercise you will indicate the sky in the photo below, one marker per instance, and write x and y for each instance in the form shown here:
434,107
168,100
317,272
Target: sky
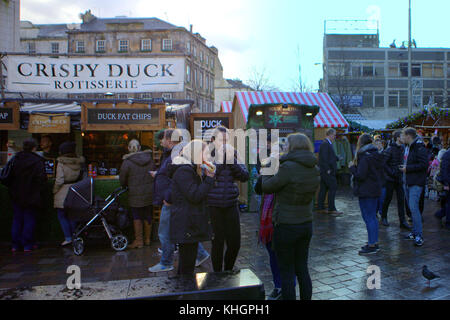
273,37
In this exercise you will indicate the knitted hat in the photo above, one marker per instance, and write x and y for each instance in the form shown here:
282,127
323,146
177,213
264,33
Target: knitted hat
67,147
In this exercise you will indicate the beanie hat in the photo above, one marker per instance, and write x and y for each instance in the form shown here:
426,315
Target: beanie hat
67,147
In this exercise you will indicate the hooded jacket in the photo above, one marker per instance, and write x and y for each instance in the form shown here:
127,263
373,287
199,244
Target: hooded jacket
189,219
295,185
135,174
28,180
417,164
368,172
67,172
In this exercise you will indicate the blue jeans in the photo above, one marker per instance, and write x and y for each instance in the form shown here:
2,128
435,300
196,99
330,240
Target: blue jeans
67,226
381,200
412,196
368,208
445,210
23,227
168,247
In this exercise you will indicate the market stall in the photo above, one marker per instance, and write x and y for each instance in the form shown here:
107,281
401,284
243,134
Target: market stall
328,115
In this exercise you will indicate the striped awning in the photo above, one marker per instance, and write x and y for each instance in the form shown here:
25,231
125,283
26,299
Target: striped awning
226,106
51,107
328,117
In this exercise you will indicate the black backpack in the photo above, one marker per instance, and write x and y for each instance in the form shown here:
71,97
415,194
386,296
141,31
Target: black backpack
6,172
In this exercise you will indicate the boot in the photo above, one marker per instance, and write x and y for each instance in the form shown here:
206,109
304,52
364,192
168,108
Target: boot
138,241
147,232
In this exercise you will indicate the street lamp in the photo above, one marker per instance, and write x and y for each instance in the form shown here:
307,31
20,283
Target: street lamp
410,97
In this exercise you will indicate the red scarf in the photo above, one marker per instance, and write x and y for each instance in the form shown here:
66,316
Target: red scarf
266,227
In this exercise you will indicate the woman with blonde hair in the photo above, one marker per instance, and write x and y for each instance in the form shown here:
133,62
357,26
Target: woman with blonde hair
189,219
367,169
135,174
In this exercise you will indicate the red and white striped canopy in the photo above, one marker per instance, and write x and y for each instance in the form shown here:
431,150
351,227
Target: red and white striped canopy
329,115
226,106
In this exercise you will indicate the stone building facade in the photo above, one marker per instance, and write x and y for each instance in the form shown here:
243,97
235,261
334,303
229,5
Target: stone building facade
150,37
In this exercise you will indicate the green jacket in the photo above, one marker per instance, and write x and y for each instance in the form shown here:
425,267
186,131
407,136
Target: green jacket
295,186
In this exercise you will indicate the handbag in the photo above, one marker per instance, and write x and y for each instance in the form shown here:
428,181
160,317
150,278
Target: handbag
6,172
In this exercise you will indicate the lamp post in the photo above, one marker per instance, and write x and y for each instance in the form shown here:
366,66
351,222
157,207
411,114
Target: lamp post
410,90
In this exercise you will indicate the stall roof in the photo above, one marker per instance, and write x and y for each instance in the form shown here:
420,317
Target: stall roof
328,117
374,124
51,107
226,106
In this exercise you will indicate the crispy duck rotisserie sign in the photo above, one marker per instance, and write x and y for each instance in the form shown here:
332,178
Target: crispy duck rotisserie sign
94,74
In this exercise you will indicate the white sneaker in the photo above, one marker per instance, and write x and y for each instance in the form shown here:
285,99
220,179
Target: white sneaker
160,268
65,243
199,262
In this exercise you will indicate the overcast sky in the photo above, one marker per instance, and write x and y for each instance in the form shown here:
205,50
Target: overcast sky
275,36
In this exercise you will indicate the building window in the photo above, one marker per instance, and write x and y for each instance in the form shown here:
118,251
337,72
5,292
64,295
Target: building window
207,83
368,99
207,60
167,45
393,99
55,47
31,47
393,70
100,46
416,69
356,70
123,45
430,97
201,80
367,70
195,51
212,62
379,70
201,56
167,96
122,96
430,70
379,99
79,47
188,73
188,47
195,77
146,95
146,45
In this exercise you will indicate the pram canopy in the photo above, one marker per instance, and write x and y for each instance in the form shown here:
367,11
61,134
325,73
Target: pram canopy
80,199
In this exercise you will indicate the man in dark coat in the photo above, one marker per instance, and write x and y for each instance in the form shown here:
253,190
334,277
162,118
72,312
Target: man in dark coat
393,159
445,180
328,169
414,170
27,187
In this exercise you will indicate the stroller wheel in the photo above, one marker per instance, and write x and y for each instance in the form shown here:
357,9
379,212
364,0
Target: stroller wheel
119,242
78,246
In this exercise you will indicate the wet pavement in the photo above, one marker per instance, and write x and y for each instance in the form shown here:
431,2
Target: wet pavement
336,269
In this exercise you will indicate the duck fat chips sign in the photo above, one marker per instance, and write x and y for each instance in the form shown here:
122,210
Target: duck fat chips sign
94,74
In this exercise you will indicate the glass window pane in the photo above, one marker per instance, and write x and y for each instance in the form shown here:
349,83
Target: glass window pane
379,101
379,70
438,71
368,70
403,69
416,70
368,99
427,70
403,99
393,69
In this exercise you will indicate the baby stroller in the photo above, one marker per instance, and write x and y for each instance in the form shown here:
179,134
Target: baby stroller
93,212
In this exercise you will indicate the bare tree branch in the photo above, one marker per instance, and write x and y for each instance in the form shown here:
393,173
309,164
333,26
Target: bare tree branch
259,81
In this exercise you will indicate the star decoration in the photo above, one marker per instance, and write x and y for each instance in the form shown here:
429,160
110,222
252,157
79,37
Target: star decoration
275,118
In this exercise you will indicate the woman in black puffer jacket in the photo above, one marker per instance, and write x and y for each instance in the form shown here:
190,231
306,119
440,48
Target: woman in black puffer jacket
189,223
367,170
223,200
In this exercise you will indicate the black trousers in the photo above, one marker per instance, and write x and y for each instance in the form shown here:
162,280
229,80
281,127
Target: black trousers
291,244
328,183
187,253
392,186
227,230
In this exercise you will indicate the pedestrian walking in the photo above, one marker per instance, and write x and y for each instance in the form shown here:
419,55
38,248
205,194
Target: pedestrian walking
367,169
68,171
135,174
328,170
189,220
393,158
223,201
444,178
380,144
294,185
414,171
26,189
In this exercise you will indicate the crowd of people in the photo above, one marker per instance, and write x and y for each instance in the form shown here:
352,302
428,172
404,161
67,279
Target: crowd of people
199,199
